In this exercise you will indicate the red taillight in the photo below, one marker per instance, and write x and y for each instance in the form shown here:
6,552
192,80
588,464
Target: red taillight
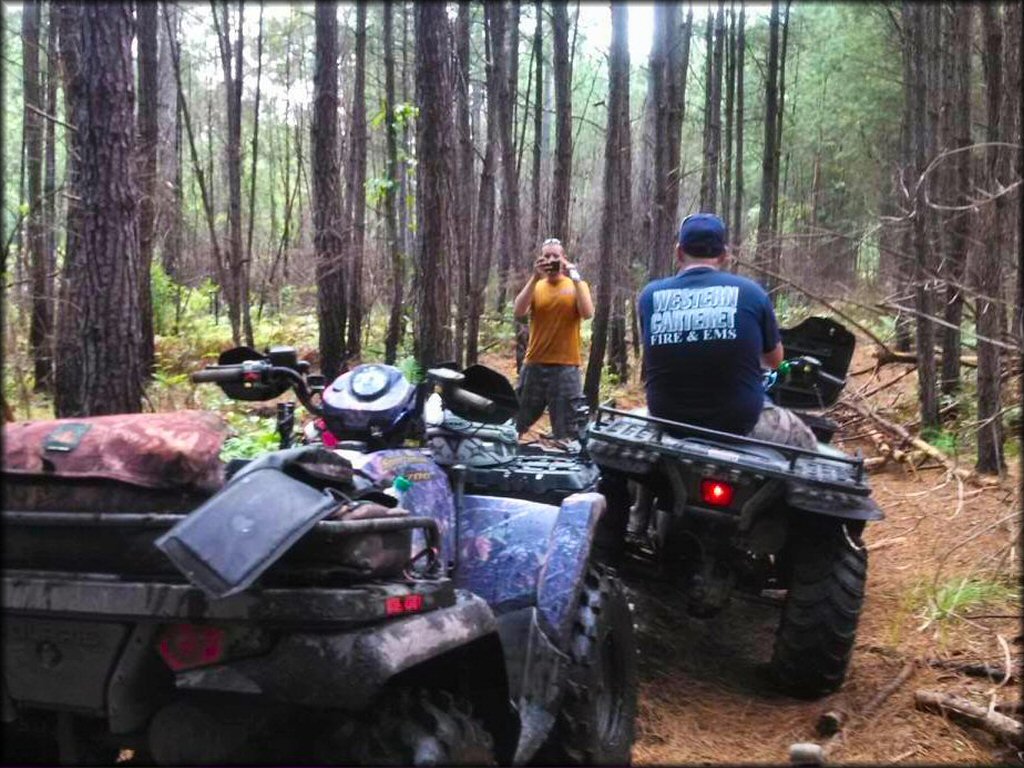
395,606
715,493
184,646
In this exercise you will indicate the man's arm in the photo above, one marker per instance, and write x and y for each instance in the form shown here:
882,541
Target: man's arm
525,298
584,304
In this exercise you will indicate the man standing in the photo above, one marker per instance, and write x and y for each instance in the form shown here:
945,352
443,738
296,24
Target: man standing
707,334
557,300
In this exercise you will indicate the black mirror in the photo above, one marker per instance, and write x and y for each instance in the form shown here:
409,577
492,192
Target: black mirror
487,382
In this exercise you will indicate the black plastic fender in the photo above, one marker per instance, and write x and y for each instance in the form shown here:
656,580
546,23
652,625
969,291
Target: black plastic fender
831,504
347,669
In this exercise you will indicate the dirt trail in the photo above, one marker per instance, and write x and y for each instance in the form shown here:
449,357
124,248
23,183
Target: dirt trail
704,697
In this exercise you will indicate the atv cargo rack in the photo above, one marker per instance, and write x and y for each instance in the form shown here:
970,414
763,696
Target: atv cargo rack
646,437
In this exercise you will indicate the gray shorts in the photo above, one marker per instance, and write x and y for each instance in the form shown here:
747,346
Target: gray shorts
548,386
781,425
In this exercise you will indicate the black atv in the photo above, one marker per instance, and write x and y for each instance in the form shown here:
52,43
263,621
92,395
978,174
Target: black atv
714,511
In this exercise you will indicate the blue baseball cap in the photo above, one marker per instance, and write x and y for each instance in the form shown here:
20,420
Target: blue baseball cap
702,235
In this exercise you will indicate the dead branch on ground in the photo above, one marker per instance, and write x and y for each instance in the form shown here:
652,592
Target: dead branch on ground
960,709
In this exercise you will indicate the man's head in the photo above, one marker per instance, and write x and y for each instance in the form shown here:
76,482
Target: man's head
702,240
551,254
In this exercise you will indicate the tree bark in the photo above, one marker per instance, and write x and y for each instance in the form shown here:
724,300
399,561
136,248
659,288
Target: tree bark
395,253
915,23
50,204
238,292
169,197
464,179
959,185
328,241
355,196
741,49
616,163
255,148
986,263
776,246
562,175
41,321
98,352
538,123
730,96
483,236
432,341
506,43
706,183
147,164
765,235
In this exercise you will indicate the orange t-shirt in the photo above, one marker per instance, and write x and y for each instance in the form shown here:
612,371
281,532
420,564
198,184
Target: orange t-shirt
554,324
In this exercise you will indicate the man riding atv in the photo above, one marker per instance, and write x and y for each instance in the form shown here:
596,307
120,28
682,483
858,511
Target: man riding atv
707,334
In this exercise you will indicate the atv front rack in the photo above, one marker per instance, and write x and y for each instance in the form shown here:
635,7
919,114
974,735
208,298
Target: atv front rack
642,439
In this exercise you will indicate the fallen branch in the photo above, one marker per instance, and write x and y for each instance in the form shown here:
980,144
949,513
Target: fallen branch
993,671
907,438
885,357
960,709
833,721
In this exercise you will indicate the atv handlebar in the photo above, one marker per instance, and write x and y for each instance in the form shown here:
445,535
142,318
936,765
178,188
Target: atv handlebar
259,371
218,374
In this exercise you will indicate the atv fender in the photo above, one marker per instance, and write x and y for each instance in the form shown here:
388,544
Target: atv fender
516,553
347,669
829,504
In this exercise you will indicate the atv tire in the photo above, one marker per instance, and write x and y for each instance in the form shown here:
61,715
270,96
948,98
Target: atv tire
814,641
595,723
423,727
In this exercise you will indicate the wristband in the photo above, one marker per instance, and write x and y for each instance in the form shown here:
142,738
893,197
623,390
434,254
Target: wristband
574,275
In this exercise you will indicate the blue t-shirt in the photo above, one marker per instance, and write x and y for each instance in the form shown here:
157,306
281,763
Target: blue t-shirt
704,332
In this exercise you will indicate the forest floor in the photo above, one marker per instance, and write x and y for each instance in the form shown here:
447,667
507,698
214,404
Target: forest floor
703,693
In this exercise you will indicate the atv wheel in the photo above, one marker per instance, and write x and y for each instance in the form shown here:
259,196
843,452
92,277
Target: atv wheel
814,641
595,723
423,727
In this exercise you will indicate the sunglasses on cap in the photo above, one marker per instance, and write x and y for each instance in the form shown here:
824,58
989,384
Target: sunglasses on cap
552,241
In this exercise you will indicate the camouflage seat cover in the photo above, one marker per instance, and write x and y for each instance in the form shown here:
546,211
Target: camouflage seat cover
165,451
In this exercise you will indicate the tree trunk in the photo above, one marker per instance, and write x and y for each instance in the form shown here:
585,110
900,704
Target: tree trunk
395,253
765,236
538,123
776,248
958,188
433,336
730,91
915,21
147,163
40,323
255,149
168,188
98,352
50,205
484,227
737,211
356,189
562,175
328,241
506,43
616,163
706,183
986,263
463,179
238,290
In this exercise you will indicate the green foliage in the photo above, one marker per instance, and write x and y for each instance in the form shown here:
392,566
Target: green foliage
943,440
953,597
411,369
252,436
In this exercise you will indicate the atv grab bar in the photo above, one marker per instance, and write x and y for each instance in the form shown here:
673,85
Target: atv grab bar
791,452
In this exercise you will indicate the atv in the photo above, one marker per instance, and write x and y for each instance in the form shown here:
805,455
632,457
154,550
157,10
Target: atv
713,511
156,600
564,624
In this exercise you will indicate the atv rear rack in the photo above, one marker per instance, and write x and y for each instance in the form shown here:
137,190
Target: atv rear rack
648,433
